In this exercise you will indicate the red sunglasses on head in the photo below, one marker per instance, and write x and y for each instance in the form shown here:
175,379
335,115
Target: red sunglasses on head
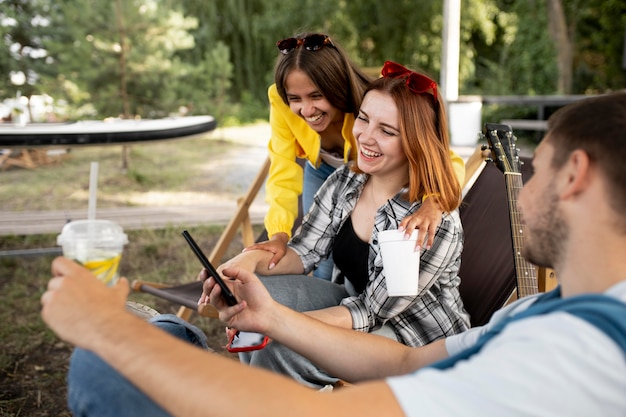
416,82
313,42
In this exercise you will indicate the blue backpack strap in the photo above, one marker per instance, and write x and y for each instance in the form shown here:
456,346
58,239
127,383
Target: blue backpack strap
605,313
608,315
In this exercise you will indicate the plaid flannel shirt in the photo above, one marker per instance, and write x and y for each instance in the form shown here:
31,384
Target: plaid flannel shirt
437,311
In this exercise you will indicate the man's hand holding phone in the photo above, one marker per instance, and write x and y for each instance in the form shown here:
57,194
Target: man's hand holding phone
224,297
252,312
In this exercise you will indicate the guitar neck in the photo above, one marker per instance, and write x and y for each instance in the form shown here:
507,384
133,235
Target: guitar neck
525,271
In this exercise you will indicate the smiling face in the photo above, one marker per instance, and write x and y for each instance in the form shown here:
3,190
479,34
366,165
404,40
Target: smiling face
308,102
377,132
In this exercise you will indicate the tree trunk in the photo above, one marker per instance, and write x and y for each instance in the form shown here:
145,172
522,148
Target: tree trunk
557,27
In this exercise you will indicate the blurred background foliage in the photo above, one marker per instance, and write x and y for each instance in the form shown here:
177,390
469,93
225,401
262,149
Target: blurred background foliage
153,58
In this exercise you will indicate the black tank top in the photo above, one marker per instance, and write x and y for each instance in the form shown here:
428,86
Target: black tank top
350,255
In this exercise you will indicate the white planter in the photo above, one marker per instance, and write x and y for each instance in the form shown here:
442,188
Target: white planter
464,118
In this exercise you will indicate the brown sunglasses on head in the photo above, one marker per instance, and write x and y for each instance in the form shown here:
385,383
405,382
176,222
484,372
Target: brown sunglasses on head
313,42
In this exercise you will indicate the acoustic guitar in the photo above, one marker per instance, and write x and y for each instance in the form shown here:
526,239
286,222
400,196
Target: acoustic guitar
502,144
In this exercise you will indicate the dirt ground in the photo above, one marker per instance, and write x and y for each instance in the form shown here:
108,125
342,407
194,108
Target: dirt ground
33,361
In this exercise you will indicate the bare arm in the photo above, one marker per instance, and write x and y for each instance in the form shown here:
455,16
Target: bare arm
84,312
348,354
257,261
277,245
337,316
345,353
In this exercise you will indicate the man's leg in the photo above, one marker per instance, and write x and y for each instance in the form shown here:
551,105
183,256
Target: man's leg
96,389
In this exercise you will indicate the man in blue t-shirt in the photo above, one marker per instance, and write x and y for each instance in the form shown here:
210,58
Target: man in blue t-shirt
558,354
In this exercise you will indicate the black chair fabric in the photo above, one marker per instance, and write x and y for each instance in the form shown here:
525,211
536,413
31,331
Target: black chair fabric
186,295
487,264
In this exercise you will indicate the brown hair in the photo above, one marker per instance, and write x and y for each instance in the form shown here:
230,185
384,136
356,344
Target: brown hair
424,134
339,80
596,125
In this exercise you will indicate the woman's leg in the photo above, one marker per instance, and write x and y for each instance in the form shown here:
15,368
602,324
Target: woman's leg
300,293
280,359
96,389
313,180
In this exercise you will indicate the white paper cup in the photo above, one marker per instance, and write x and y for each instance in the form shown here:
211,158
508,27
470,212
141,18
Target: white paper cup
401,263
96,244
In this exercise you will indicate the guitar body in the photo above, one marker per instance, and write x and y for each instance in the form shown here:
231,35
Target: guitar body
502,144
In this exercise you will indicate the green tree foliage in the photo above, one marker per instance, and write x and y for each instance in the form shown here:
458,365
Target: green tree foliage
23,29
119,57
512,55
250,29
405,31
599,27
152,57
529,61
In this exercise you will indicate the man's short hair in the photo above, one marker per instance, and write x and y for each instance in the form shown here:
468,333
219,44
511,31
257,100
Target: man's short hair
596,125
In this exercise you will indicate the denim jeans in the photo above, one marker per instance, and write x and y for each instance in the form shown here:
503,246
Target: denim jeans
313,180
96,389
300,293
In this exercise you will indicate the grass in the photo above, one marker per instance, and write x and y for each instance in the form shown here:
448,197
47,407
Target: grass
169,167
33,361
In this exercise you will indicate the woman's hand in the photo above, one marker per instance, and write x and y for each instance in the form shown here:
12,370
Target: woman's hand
427,218
276,245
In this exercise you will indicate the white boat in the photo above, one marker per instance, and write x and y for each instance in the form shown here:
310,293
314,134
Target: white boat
101,132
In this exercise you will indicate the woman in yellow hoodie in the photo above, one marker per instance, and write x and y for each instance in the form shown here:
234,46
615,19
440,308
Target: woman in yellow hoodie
313,103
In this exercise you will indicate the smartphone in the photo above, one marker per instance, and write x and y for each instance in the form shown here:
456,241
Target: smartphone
239,341
226,292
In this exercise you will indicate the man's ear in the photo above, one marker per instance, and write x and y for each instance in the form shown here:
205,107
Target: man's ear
575,174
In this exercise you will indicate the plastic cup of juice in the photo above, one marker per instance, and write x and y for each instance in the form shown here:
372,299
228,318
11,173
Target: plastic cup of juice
97,245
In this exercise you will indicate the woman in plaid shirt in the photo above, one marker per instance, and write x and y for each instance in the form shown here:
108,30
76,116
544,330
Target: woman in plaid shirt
403,156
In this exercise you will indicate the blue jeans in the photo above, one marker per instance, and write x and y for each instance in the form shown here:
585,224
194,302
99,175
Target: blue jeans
313,180
96,389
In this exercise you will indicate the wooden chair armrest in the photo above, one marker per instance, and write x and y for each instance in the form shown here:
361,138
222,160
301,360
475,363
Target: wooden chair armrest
207,310
136,285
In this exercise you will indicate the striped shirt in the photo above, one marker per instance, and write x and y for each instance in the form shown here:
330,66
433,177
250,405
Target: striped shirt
436,312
